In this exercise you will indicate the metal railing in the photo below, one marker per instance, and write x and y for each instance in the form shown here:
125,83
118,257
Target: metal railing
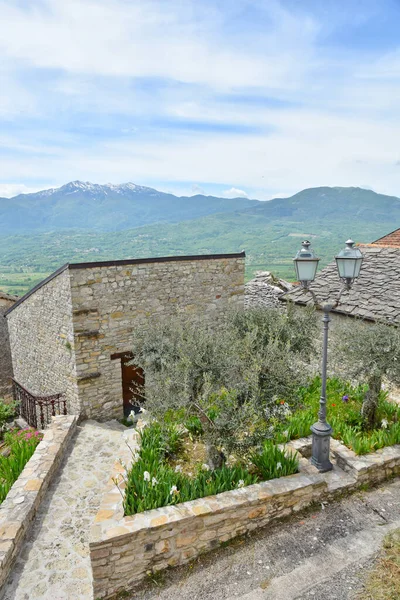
38,409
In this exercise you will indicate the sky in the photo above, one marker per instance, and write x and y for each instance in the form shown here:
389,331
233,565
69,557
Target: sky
257,98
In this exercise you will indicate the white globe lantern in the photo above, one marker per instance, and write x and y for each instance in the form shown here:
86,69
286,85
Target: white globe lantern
306,264
348,262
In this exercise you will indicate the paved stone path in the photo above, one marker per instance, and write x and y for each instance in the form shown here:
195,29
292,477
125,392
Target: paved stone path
54,563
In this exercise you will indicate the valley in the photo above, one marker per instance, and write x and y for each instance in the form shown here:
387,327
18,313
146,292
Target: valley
270,232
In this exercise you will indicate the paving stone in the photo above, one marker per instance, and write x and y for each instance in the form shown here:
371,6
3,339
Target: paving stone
54,563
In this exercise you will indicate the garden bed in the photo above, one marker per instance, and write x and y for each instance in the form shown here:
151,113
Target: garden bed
344,403
125,549
164,470
17,448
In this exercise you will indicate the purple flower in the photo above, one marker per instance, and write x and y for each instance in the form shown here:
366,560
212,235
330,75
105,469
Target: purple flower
345,398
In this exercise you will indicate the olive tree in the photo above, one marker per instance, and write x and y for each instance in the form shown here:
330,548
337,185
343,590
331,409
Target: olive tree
231,376
368,352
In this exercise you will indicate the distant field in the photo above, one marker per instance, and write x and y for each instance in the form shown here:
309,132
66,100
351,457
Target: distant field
18,283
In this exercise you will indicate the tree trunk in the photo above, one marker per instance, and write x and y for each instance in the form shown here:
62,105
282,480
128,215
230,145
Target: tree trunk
370,404
215,458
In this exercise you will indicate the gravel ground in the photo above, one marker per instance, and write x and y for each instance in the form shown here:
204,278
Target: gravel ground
322,554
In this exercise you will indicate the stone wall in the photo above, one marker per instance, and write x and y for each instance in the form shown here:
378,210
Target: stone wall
22,502
123,550
111,300
42,341
5,353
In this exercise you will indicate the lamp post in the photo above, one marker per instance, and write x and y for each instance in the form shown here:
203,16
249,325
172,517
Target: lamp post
348,262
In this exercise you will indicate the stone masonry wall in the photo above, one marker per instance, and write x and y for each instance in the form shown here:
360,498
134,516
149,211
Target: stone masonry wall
110,301
42,341
5,352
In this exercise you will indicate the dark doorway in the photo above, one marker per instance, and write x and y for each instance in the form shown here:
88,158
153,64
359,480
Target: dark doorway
132,383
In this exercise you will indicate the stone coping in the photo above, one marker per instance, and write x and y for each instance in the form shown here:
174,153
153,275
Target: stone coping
124,549
22,502
109,524
372,467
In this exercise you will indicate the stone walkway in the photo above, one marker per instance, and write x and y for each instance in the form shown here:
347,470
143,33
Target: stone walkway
54,563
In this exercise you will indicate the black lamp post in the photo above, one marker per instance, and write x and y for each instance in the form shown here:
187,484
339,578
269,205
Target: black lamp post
348,262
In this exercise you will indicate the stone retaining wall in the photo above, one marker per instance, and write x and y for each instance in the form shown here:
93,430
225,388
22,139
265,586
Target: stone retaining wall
368,468
19,508
124,549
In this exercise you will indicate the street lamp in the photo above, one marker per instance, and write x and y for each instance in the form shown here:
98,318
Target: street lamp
306,264
348,262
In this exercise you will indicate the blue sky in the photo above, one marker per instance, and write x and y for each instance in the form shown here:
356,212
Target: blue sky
247,97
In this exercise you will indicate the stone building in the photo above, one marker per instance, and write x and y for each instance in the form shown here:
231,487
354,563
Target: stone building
72,333
6,302
375,295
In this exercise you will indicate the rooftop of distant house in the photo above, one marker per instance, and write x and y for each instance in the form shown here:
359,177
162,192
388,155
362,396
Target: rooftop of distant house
9,297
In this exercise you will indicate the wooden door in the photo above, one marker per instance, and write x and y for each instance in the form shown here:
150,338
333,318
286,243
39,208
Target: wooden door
132,385
132,382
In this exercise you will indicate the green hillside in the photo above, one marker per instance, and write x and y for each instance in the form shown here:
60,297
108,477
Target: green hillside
271,233
93,207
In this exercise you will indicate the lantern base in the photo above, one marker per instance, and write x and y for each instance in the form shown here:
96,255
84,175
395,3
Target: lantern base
321,441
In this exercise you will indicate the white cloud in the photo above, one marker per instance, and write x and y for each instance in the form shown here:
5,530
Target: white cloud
180,41
8,190
234,193
71,68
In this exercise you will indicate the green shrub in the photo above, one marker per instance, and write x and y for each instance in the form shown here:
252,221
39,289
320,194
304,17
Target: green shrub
272,462
172,440
22,445
7,411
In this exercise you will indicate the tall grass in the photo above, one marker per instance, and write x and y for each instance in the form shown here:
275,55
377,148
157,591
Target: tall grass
22,445
152,482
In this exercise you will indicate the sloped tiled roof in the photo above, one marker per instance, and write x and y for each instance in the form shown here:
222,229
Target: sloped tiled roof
374,296
391,239
264,291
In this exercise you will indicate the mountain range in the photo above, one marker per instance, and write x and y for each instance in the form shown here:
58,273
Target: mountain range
85,205
88,222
